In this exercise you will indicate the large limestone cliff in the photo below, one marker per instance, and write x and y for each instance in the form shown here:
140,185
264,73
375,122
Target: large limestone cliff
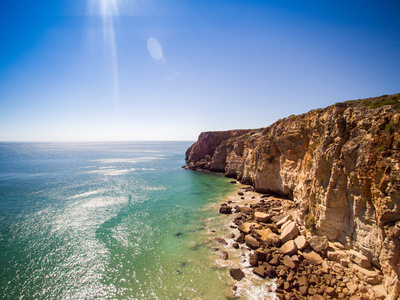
340,165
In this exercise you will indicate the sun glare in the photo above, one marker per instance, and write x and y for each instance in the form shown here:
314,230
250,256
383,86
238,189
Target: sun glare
108,7
108,10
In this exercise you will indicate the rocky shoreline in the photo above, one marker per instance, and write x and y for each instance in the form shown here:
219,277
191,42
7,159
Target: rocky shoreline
340,167
303,265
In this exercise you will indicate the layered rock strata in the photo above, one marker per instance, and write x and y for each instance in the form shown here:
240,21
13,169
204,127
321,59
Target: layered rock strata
339,165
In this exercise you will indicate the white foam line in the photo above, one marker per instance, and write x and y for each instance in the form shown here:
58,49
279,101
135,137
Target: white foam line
127,160
109,171
84,195
251,287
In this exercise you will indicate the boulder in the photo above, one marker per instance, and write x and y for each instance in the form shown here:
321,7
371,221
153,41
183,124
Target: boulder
331,292
352,287
240,238
287,261
244,209
261,217
380,291
290,232
295,259
275,260
313,258
303,290
318,243
289,248
283,220
260,271
270,272
253,260
261,255
225,209
268,237
224,255
370,276
245,227
301,242
236,274
251,242
220,241
286,224
336,255
264,234
359,259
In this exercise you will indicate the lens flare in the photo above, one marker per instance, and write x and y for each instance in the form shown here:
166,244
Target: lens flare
108,10
155,48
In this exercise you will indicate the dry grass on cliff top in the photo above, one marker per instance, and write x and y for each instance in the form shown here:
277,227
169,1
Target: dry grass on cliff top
371,103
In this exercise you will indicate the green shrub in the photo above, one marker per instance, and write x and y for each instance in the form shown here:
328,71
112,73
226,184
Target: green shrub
393,101
309,221
388,127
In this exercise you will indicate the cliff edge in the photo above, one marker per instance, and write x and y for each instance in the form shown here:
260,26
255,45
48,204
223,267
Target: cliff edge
340,165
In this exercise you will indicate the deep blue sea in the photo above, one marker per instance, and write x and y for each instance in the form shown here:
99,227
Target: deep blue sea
106,221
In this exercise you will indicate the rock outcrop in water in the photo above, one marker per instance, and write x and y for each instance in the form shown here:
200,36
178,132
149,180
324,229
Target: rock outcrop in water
340,165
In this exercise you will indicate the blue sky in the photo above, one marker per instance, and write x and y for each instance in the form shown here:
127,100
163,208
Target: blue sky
100,70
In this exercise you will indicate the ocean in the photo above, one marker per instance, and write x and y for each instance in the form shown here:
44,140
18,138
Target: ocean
107,221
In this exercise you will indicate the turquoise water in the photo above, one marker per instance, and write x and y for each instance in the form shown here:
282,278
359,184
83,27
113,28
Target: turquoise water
106,221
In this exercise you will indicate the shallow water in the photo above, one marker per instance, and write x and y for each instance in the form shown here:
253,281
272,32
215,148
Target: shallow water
107,220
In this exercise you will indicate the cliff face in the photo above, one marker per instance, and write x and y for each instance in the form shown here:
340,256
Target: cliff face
340,165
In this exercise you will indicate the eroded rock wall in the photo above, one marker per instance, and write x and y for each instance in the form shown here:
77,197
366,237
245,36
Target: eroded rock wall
340,165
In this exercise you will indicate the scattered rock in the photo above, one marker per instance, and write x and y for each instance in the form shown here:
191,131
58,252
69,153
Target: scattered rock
261,255
244,209
318,243
270,272
240,238
220,241
287,261
245,227
336,255
236,274
313,258
380,291
275,260
261,217
225,209
260,271
264,234
289,248
251,242
301,242
297,264
290,232
283,220
370,276
359,259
